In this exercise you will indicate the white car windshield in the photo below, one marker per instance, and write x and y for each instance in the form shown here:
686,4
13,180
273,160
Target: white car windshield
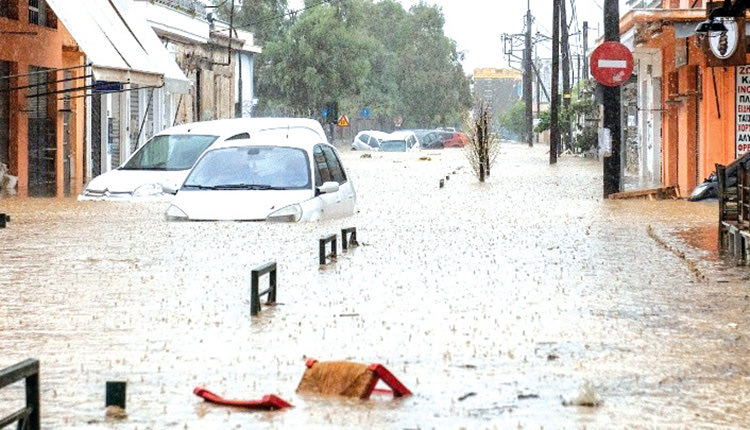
169,152
251,167
393,146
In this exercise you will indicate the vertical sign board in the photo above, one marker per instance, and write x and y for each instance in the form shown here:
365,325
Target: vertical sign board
742,131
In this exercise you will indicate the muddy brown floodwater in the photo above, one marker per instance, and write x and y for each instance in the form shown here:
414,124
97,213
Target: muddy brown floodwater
523,290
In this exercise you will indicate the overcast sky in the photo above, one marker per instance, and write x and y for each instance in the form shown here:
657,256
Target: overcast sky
477,25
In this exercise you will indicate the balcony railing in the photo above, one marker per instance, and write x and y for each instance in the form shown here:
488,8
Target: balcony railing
191,7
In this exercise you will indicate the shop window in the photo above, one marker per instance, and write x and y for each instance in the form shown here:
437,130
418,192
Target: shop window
9,9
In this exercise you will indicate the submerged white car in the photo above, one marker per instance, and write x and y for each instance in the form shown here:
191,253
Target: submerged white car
412,142
284,174
160,166
368,140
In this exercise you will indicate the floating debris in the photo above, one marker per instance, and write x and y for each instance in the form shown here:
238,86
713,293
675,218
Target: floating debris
587,397
115,412
466,396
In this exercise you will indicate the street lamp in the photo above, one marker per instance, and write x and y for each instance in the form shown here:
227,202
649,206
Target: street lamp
727,10
711,26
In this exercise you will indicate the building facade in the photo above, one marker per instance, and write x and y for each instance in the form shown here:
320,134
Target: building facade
501,88
41,127
688,110
84,84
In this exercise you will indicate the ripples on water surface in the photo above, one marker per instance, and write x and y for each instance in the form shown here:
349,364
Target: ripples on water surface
519,290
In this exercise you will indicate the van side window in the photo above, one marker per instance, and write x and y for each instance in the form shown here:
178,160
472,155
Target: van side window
334,165
240,136
322,173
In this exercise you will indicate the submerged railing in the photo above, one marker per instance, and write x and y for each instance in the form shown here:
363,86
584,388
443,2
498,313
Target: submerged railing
28,417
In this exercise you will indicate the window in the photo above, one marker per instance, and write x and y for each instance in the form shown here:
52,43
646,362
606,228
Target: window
9,9
252,168
240,136
40,14
322,173
334,165
169,152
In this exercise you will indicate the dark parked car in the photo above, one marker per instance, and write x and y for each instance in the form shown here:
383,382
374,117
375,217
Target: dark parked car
433,140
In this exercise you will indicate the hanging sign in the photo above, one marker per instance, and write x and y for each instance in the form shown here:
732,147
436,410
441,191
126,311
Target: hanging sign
726,48
742,102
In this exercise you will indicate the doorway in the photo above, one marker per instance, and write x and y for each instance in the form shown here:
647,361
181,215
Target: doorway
42,134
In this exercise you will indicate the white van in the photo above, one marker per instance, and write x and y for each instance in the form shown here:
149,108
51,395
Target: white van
160,166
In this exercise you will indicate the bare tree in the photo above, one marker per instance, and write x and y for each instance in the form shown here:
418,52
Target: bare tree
483,145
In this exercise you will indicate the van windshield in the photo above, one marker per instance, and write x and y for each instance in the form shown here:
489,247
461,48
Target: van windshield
169,152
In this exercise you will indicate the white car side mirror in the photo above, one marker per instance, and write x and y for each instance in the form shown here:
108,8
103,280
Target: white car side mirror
328,187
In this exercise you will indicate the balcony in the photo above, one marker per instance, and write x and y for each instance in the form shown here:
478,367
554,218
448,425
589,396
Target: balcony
191,7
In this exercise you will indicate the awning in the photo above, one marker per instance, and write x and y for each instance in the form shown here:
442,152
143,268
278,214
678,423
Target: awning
119,44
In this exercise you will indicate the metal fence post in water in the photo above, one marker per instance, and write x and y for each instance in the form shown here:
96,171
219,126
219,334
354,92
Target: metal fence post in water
28,417
352,238
269,268
322,251
116,393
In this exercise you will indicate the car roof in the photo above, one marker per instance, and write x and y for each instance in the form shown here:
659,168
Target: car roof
290,140
402,134
225,128
375,133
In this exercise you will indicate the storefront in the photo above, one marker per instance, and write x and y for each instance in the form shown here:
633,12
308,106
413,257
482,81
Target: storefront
687,100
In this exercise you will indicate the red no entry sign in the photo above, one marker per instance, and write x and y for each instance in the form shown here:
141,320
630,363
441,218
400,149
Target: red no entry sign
611,64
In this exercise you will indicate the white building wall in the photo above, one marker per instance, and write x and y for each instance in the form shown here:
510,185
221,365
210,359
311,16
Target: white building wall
650,106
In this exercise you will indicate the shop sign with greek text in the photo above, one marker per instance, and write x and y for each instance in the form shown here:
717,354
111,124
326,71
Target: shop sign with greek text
743,110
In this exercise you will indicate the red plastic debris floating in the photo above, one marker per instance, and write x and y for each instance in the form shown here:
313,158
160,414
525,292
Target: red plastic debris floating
386,376
268,402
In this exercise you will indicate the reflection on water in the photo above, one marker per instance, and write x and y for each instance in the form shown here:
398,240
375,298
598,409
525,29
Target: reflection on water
521,290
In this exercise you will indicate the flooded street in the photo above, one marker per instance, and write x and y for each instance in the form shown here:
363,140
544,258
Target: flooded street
522,291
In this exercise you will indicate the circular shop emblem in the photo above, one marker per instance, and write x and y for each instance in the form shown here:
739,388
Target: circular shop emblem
724,43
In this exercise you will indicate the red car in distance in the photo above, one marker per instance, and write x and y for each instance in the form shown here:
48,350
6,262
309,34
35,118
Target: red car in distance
454,139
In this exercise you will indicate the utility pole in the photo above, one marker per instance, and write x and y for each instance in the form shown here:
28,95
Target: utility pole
565,51
538,88
612,105
527,80
585,50
554,132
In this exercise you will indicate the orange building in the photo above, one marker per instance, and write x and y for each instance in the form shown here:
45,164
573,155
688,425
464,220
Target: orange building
687,99
41,130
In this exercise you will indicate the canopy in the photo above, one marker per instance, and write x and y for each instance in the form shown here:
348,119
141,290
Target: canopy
119,44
